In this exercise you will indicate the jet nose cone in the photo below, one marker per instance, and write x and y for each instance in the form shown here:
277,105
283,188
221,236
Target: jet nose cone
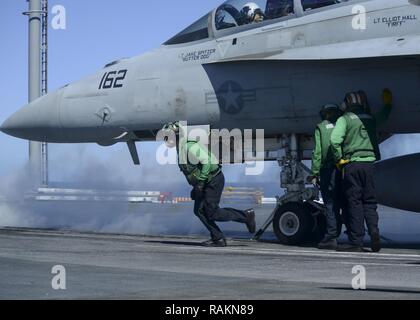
10,125
18,124
35,121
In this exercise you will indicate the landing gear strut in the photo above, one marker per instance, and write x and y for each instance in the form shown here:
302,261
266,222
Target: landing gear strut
298,218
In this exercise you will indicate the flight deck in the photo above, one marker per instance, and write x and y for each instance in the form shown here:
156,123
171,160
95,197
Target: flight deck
112,266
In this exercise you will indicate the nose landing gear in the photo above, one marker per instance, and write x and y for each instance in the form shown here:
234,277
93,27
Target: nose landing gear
298,217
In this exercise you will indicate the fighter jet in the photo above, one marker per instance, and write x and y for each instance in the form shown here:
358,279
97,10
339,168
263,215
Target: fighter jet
252,64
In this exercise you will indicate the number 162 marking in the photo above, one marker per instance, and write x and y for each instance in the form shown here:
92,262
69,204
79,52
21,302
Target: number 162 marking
112,79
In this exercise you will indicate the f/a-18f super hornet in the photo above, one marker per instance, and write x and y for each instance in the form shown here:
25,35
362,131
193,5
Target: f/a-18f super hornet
255,64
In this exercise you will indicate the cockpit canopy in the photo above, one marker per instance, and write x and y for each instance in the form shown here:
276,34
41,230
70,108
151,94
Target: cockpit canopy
237,13
197,31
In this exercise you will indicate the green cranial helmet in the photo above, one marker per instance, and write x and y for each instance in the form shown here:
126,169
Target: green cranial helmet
171,126
365,100
330,111
354,100
170,132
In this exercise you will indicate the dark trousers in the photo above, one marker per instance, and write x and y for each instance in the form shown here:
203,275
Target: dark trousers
207,209
330,190
362,205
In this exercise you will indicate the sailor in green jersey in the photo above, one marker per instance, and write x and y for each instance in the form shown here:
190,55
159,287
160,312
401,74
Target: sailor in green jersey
204,173
355,146
325,172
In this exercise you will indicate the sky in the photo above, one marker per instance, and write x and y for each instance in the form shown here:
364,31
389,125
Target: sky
98,32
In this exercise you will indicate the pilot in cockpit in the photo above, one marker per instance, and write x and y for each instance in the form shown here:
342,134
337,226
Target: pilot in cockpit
278,8
252,13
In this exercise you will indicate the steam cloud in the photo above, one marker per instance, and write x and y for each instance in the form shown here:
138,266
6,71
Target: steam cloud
82,167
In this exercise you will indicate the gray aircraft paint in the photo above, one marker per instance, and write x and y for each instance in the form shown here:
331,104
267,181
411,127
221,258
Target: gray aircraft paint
392,194
279,75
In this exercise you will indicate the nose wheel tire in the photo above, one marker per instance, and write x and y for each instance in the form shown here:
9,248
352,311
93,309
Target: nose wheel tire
292,224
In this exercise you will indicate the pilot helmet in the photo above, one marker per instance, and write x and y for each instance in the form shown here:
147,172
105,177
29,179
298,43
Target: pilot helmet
250,10
170,132
330,112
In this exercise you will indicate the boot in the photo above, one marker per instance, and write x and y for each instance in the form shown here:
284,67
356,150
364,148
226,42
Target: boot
328,244
376,242
250,221
215,243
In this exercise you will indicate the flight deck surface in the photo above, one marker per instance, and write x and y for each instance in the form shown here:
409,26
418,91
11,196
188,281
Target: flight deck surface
111,266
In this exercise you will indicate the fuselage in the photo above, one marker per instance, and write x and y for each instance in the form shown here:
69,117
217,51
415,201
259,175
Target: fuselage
274,76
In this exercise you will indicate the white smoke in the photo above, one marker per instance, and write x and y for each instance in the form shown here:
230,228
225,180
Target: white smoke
11,217
12,191
86,167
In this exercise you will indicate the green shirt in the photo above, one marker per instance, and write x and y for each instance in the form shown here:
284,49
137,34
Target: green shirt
322,157
197,163
348,140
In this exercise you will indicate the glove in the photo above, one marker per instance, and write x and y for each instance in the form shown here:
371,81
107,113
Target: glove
342,164
198,191
387,97
313,180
